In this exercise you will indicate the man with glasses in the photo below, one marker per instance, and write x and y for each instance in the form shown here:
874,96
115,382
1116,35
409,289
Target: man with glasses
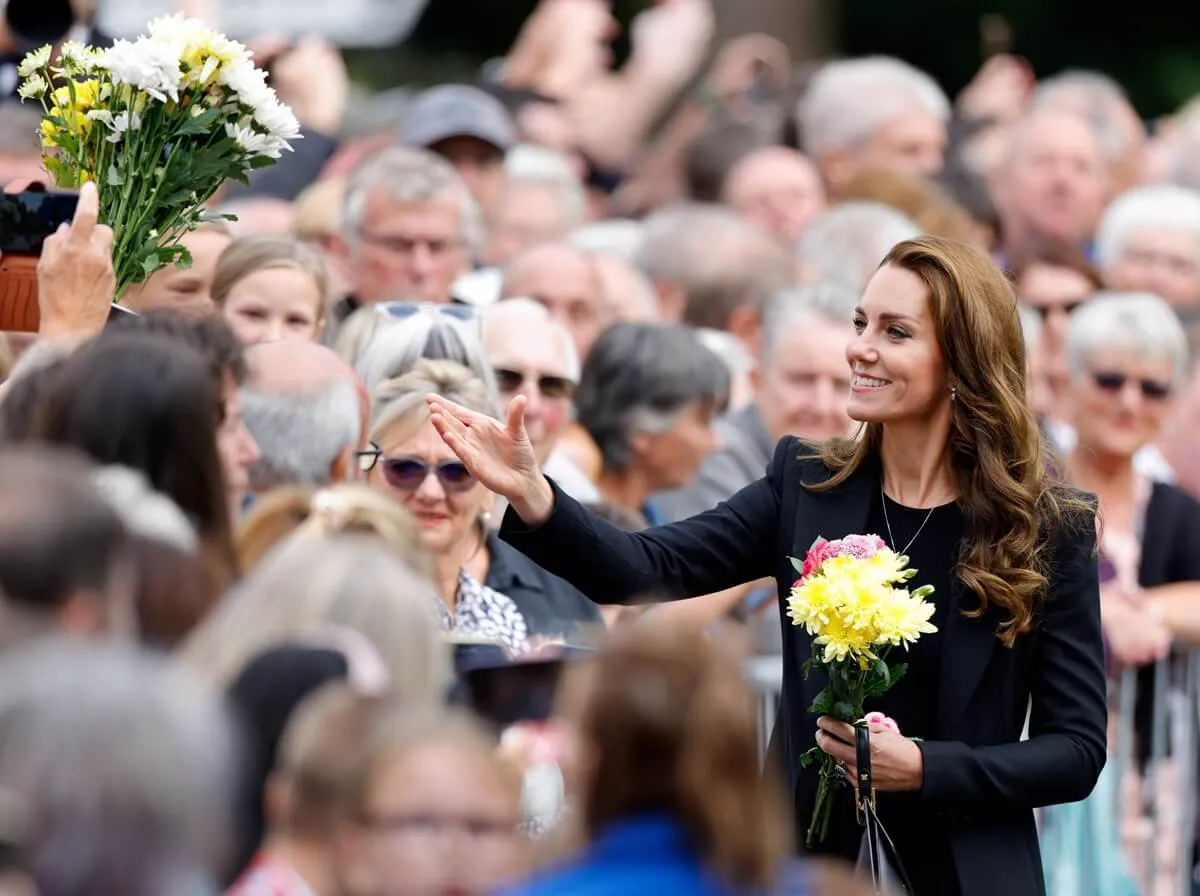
534,355
410,228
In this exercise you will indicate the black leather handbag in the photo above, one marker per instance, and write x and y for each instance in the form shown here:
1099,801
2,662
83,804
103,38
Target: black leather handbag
878,862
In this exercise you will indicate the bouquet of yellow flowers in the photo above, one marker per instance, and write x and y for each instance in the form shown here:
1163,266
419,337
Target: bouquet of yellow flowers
850,598
159,124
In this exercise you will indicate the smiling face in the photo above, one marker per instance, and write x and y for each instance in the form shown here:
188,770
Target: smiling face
897,370
445,506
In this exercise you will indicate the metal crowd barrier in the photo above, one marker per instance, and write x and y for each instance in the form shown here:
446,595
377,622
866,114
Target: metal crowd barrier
1154,774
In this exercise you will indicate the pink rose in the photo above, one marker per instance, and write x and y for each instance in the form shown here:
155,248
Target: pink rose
878,718
815,557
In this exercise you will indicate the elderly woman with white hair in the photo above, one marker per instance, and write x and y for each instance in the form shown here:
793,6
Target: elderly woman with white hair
1127,357
1149,240
873,113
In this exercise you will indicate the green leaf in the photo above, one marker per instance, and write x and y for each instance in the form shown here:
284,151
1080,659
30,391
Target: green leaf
808,757
822,703
880,668
115,178
261,162
183,260
898,671
843,711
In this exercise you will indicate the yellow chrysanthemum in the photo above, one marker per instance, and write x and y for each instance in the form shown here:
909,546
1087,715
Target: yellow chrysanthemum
853,604
72,108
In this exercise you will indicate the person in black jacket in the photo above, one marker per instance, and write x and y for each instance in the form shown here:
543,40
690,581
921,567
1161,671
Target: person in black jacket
950,470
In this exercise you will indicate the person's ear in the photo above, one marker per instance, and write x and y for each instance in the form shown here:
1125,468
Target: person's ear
343,465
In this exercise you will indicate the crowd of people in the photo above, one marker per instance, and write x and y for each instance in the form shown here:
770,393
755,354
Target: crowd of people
262,631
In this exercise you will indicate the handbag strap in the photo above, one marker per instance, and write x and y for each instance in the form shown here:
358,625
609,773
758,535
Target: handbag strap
865,783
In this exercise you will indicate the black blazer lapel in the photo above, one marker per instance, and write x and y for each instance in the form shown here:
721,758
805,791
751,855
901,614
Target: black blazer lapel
967,647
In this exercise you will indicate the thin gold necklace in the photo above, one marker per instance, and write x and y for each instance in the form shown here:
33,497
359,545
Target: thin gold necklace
888,523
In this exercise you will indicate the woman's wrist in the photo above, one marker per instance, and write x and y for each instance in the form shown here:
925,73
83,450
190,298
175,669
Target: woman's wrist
536,505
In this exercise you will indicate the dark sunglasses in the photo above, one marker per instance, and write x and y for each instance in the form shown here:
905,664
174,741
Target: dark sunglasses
1114,381
407,474
402,310
548,384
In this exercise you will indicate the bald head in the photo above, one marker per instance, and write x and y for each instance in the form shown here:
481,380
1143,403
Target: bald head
566,281
777,188
307,410
534,356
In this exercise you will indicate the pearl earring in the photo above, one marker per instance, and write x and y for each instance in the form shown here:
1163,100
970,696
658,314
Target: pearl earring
953,393
486,516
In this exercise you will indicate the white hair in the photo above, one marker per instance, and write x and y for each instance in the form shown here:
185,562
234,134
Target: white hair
122,763
618,236
525,309
1139,322
1101,95
847,243
301,433
428,333
828,301
1157,206
530,164
144,511
849,100
410,175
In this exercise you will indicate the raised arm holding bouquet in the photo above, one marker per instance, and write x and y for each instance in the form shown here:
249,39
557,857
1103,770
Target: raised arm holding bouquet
158,124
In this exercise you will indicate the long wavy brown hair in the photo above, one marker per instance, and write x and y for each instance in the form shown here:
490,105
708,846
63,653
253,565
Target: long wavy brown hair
998,458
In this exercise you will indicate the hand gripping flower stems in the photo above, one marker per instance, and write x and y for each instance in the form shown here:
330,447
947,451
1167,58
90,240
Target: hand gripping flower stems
159,124
850,598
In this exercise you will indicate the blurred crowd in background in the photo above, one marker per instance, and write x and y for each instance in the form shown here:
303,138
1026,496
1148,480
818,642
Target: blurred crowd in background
249,595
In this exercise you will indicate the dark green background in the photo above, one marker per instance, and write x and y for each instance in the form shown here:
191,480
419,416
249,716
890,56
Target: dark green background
1152,46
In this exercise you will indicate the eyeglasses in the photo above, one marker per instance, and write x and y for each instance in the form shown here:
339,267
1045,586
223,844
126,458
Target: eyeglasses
1114,382
407,474
404,245
428,825
1044,311
548,384
403,310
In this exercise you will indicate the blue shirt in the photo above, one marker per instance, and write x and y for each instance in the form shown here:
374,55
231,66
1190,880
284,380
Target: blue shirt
647,854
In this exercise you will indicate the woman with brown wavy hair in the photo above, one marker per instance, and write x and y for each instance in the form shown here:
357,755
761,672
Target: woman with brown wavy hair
951,470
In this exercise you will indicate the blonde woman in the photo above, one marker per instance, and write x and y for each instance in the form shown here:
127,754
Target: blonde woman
272,289
311,587
486,587
345,509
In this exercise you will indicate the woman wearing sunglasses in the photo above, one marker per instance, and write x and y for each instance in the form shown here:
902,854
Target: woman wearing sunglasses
488,589
1126,356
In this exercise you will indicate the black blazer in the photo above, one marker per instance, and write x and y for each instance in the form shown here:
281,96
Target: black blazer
978,775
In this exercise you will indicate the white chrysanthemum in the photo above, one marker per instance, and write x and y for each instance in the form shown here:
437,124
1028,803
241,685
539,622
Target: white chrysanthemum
146,66
76,57
180,30
253,143
34,60
33,87
118,124
277,119
247,82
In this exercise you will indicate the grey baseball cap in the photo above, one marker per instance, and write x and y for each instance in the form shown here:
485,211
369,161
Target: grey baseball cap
457,110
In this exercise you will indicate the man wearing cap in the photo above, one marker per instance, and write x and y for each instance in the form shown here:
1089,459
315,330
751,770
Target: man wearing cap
470,129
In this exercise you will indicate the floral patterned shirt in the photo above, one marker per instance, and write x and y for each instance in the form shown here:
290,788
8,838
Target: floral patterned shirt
483,612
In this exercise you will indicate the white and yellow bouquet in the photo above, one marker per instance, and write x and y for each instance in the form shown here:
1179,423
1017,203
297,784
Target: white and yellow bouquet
851,598
159,123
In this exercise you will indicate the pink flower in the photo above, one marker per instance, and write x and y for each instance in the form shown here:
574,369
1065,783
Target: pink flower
878,718
860,546
815,557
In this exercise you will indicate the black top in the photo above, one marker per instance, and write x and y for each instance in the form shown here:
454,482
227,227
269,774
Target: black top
981,781
552,608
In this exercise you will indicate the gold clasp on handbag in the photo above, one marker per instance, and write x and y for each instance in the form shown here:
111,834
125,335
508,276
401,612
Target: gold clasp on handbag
862,803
